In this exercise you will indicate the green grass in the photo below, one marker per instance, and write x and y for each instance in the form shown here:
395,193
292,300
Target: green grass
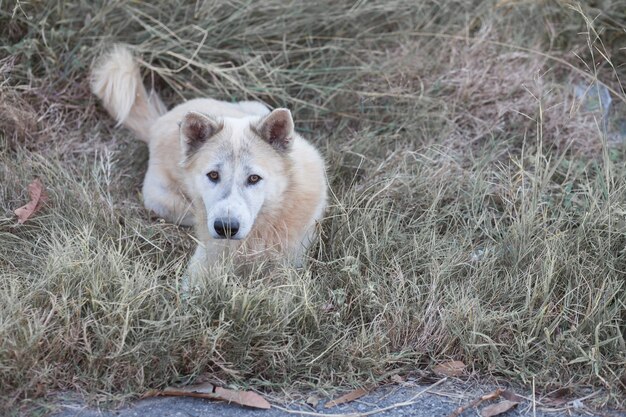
478,206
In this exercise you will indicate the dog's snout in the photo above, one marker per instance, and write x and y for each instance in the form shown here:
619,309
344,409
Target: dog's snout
226,228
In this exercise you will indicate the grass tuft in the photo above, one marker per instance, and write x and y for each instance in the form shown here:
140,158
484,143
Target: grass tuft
478,209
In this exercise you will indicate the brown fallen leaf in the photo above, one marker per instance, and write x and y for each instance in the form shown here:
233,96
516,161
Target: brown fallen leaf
559,397
346,398
37,195
211,392
206,388
499,408
474,403
313,401
247,398
511,396
450,369
492,395
397,379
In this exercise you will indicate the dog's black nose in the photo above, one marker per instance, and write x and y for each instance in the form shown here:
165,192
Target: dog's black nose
226,228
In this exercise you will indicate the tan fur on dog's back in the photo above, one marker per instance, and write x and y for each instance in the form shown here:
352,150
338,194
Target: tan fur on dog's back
117,82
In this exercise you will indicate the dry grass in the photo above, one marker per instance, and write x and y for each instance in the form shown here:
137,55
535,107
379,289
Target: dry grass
478,212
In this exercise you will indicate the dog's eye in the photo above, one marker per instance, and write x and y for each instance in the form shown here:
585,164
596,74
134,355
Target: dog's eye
253,179
213,176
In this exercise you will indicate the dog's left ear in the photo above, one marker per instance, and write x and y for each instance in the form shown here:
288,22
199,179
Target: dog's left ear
277,129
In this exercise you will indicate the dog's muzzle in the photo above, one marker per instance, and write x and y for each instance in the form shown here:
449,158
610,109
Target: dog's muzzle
226,228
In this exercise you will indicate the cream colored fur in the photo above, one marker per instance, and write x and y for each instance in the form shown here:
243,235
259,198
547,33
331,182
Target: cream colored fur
292,196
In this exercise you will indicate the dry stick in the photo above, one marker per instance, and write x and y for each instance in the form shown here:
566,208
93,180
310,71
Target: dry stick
367,413
476,402
534,402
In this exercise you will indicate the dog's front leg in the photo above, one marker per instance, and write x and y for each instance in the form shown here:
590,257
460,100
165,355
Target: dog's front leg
164,197
298,253
207,256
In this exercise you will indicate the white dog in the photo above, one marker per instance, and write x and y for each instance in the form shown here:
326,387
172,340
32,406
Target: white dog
248,182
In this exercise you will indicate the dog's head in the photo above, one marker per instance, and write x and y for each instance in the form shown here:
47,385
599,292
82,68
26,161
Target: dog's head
235,167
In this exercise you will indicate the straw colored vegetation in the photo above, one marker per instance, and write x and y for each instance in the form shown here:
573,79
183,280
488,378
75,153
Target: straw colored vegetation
478,208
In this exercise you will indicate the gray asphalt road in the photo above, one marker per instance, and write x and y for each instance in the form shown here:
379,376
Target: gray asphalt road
442,401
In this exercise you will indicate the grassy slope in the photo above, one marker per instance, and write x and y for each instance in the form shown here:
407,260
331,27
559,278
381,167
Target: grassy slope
477,213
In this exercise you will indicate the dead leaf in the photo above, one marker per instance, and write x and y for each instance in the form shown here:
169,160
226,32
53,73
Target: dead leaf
211,392
205,388
492,395
562,392
397,379
499,408
346,398
476,402
313,401
37,195
451,369
247,398
511,396
554,402
558,397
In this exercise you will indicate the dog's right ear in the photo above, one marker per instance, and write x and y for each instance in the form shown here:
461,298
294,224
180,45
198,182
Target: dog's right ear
195,129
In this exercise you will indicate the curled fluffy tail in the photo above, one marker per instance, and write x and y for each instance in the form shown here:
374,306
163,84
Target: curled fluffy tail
117,82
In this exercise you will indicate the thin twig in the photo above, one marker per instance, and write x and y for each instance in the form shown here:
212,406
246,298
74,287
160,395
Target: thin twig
491,396
534,400
411,401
